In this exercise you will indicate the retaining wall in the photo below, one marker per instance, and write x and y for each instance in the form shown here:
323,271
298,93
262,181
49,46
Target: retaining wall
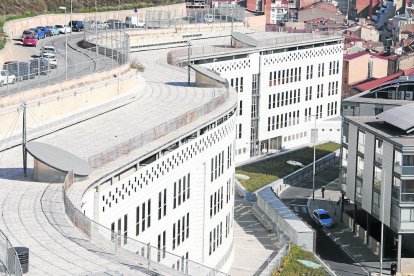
49,104
15,28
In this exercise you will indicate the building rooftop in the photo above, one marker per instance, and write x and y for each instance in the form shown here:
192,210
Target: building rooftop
400,117
33,213
382,129
354,56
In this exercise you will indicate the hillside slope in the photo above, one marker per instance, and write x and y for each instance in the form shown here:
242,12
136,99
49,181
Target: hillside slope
18,7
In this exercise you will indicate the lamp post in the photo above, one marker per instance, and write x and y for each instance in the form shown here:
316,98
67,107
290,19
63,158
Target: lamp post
314,137
70,16
66,44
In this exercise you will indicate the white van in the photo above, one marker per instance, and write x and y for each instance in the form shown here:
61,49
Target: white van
134,22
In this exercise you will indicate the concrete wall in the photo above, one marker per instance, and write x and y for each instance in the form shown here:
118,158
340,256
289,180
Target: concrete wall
407,265
68,98
352,159
287,222
15,28
368,172
354,71
379,67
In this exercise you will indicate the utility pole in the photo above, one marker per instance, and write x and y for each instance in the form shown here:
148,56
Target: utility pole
189,61
24,141
314,136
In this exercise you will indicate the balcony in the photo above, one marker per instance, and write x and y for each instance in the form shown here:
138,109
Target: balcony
407,198
407,170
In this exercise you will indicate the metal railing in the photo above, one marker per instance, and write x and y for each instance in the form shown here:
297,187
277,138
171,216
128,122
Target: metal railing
307,171
179,56
157,131
9,261
41,71
140,253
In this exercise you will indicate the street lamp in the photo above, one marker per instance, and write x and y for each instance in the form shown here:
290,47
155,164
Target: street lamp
314,137
66,44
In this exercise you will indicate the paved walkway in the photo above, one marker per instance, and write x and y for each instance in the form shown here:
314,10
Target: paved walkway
254,246
342,235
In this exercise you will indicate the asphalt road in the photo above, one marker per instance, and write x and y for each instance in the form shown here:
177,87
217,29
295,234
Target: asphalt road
80,63
296,198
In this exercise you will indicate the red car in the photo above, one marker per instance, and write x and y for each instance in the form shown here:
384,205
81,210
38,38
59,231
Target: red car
30,41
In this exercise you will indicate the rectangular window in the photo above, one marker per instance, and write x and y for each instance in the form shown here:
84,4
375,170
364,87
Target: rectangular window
188,226
361,142
143,217
125,229
173,239
137,222
159,205
240,108
240,131
149,213
175,188
188,185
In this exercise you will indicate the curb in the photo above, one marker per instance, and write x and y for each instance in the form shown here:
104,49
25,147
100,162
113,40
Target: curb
335,240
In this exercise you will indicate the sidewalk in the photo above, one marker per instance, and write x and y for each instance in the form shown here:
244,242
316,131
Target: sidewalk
353,246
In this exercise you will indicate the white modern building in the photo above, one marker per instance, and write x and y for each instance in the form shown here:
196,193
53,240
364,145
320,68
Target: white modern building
284,82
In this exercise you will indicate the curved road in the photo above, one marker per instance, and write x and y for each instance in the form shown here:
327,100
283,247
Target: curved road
81,62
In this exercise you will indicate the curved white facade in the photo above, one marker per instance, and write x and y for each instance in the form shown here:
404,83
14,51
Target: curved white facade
182,203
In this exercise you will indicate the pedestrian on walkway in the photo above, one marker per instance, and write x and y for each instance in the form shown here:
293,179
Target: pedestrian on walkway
323,191
393,268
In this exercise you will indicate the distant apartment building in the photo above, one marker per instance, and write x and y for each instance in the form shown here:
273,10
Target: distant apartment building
361,66
284,82
377,170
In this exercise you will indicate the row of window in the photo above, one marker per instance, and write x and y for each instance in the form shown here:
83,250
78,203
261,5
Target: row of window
216,202
181,190
293,137
332,108
181,231
216,235
143,218
284,98
217,166
283,120
237,84
285,76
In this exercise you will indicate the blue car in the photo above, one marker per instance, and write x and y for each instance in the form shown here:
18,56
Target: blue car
40,34
322,218
53,30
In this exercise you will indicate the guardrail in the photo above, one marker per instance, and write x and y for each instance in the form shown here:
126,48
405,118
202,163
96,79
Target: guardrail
9,261
179,56
158,131
143,254
307,171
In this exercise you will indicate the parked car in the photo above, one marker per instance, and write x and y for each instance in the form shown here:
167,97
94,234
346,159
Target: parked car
115,24
64,29
40,33
208,18
46,30
53,30
77,25
134,22
20,69
51,58
47,49
28,33
40,66
322,218
30,40
6,78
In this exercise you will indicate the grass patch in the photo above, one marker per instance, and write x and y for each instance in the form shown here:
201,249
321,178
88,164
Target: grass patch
264,172
291,267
